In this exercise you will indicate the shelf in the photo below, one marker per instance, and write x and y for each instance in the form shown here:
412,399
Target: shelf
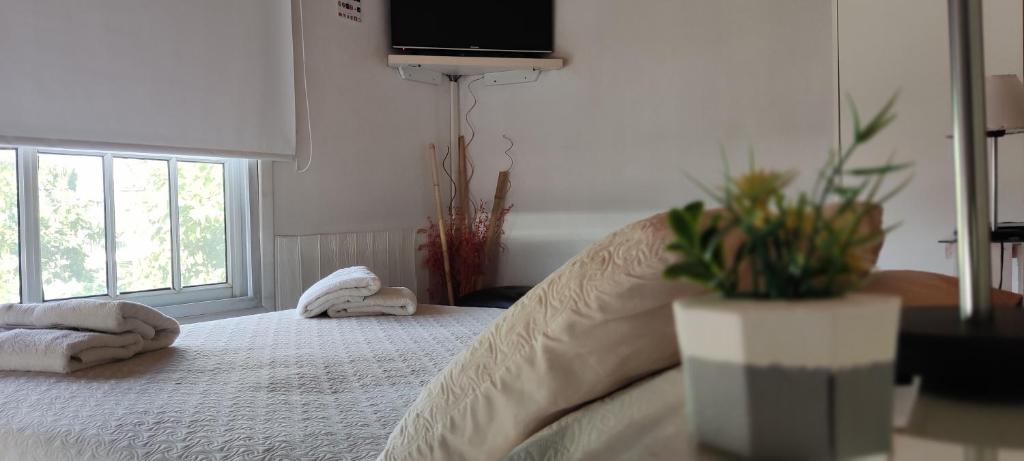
472,65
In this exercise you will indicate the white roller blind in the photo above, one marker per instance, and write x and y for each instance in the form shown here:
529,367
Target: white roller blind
192,77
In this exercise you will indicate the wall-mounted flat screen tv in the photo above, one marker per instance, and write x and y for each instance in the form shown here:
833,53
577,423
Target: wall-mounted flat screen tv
474,27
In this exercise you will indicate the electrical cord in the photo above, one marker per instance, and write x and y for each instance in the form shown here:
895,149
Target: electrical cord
305,92
511,144
472,132
512,161
451,180
469,121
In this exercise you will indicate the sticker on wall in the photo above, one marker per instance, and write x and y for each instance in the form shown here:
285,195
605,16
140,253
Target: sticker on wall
351,9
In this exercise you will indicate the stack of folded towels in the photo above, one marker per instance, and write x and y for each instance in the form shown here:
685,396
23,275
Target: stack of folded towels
65,336
353,292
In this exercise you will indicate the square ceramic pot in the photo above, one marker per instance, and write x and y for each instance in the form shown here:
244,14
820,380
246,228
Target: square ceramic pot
800,379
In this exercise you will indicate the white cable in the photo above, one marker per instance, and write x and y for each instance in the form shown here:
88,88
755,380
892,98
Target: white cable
305,92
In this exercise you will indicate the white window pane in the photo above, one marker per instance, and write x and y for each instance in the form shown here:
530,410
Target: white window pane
71,226
10,280
202,223
143,224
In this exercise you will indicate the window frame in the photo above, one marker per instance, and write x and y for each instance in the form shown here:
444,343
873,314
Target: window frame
179,301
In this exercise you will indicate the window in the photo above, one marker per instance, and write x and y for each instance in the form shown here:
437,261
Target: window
157,229
10,264
71,226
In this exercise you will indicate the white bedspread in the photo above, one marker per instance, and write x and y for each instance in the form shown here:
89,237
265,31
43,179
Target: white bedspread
271,386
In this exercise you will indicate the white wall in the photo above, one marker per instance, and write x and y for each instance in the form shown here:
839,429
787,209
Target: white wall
887,45
650,91
370,131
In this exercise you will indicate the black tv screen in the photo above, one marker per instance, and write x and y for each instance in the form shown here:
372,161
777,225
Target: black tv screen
472,26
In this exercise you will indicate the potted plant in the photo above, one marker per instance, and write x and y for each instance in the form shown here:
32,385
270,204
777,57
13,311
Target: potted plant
785,360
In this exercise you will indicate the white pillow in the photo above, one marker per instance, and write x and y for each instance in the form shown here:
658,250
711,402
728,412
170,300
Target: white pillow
599,323
643,421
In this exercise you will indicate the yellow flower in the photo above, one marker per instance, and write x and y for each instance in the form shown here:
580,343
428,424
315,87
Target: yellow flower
757,187
798,222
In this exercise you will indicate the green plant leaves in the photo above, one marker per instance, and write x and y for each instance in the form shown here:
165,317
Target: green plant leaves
790,248
882,119
878,170
691,269
681,226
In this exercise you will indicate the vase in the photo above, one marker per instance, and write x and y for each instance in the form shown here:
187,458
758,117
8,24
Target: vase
790,379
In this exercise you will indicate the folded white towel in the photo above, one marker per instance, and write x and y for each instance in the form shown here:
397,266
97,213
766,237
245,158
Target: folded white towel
392,301
155,329
63,351
350,284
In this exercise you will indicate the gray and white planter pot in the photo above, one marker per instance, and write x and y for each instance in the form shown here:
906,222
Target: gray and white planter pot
802,379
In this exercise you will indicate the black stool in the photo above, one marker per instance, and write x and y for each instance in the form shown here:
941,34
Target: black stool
500,297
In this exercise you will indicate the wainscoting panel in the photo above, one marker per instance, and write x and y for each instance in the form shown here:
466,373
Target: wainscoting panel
304,259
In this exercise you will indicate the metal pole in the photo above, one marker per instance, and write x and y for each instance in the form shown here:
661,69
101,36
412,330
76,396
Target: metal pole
972,221
994,177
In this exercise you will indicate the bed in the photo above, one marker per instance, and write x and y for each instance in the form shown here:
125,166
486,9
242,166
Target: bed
269,386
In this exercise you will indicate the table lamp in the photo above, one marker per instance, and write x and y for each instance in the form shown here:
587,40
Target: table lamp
1004,112
973,352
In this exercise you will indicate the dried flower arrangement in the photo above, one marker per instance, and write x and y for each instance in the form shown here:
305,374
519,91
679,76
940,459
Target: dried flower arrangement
460,247
469,252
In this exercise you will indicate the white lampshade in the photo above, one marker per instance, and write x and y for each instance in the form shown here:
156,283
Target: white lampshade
1004,102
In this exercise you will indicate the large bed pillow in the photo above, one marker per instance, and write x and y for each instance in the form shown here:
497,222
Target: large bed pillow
599,323
643,421
928,289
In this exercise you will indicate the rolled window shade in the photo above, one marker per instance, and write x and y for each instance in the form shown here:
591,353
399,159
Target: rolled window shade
182,77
